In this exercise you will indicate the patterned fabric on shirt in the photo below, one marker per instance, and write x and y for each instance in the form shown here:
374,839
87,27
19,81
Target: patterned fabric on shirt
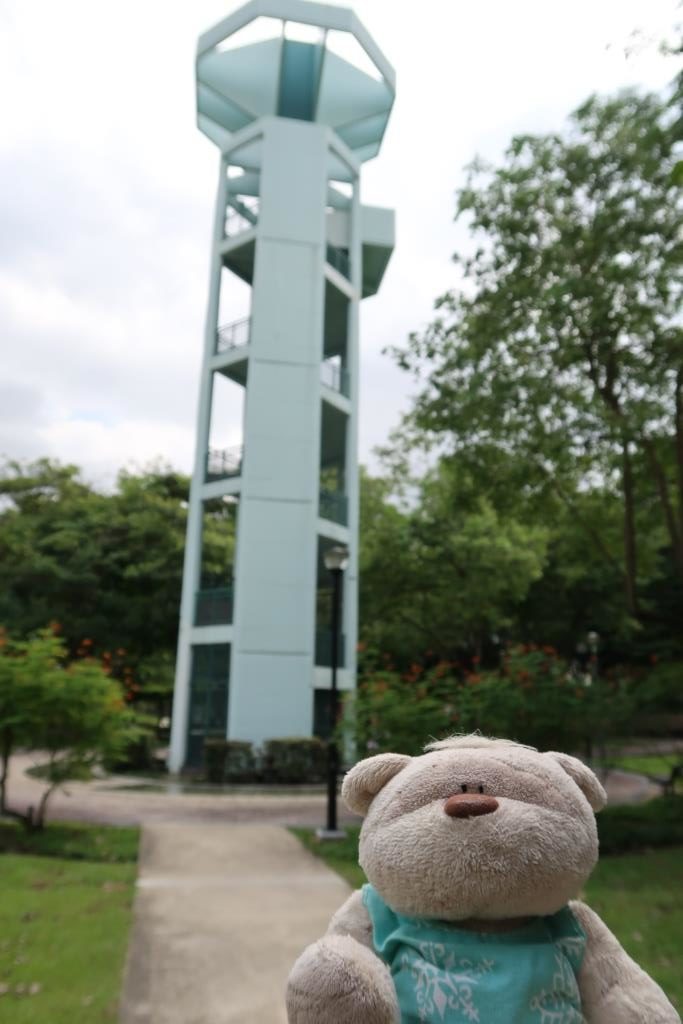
448,975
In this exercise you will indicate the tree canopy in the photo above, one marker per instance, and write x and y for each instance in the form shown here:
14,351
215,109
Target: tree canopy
106,566
562,344
446,572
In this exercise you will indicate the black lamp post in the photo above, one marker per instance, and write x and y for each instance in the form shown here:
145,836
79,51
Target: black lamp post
336,560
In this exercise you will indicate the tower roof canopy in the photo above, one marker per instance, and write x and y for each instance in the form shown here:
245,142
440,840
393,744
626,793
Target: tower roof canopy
292,58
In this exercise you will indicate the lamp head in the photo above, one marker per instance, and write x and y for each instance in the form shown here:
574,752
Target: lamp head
336,559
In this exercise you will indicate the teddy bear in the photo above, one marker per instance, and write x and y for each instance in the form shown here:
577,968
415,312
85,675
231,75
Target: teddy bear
475,852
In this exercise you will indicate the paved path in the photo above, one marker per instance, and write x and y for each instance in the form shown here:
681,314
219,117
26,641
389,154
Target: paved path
221,914
120,801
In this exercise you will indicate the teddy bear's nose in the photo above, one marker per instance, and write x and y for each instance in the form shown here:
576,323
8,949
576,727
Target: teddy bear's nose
469,805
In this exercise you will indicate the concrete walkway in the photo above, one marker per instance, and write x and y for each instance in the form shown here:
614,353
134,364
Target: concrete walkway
221,914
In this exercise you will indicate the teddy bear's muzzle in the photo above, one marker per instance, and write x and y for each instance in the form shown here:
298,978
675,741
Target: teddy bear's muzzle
470,805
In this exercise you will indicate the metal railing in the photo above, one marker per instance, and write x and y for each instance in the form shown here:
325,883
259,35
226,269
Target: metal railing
222,463
334,506
233,335
335,377
213,606
323,648
339,259
241,215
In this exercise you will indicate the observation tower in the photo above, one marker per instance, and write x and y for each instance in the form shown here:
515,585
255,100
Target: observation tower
296,96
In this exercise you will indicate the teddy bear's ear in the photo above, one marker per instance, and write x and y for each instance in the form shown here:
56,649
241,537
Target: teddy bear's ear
366,778
584,778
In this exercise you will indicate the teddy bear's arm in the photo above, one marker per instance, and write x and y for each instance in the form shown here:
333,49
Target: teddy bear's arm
353,919
340,979
614,989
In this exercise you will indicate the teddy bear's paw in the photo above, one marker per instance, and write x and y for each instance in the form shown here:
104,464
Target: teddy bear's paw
339,981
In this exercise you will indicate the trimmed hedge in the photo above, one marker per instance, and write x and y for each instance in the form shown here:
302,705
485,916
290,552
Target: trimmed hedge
280,761
299,759
229,761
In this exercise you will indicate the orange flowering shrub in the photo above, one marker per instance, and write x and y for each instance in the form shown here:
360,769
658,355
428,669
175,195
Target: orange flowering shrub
535,697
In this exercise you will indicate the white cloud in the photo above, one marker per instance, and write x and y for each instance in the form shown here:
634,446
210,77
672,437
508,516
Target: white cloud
106,193
98,446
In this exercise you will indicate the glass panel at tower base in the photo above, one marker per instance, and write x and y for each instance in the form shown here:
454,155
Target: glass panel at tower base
213,606
208,698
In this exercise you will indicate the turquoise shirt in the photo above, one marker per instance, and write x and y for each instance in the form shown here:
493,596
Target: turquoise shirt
447,974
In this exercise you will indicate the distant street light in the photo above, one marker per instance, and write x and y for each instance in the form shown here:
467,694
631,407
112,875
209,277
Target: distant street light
336,560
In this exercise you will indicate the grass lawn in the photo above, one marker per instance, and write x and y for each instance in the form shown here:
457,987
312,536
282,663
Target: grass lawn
638,895
65,912
72,842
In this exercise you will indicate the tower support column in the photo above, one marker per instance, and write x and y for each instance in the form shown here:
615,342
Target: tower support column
193,539
271,676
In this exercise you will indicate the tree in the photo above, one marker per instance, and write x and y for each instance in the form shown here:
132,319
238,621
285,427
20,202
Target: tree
446,573
70,710
563,344
106,566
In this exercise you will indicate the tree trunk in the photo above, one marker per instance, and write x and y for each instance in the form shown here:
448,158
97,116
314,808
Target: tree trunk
38,819
6,745
5,753
630,550
679,445
659,473
611,400
606,392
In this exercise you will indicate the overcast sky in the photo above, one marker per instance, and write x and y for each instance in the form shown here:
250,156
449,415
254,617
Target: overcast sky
106,194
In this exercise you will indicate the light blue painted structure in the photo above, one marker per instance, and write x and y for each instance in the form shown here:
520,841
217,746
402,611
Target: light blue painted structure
295,95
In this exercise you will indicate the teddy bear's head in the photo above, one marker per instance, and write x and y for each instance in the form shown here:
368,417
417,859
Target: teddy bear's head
476,828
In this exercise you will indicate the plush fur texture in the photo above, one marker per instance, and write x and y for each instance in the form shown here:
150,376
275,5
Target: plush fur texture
339,979
530,856
614,989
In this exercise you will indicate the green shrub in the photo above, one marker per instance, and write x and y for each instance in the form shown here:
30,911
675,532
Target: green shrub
534,698
295,760
136,756
240,762
388,712
639,826
659,690
229,761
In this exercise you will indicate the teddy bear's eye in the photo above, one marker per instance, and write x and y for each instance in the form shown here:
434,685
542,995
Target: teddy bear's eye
464,787
481,789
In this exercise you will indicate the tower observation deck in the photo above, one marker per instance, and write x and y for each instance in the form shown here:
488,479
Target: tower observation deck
296,96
